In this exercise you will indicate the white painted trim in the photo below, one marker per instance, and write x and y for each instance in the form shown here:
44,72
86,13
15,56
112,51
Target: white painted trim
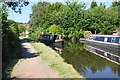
103,42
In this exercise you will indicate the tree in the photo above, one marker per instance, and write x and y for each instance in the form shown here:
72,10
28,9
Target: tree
73,19
100,4
16,5
54,29
10,43
69,19
93,4
100,20
36,17
116,3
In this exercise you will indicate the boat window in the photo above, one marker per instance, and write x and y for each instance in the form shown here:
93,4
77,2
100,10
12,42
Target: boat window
51,37
55,36
48,37
90,38
99,38
42,36
94,37
109,39
87,36
113,39
119,40
105,39
59,36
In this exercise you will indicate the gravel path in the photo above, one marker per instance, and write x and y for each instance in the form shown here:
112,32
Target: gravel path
30,66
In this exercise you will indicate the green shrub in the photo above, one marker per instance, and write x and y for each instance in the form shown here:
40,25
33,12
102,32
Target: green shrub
118,33
87,32
34,36
73,39
54,29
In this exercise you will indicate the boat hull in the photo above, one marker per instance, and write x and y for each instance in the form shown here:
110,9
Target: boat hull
48,41
109,47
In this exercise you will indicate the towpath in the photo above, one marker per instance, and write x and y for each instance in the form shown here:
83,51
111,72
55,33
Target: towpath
31,66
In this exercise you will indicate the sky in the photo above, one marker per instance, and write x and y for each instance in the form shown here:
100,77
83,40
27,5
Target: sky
27,10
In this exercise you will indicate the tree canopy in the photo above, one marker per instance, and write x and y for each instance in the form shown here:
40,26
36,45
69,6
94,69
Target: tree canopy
73,19
93,4
16,5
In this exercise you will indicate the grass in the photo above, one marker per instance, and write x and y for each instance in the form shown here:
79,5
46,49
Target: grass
55,61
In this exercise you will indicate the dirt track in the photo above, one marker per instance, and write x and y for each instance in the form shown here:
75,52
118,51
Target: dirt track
31,66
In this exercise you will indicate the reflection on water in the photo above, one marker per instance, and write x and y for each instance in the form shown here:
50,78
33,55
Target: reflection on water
107,48
86,63
59,50
109,56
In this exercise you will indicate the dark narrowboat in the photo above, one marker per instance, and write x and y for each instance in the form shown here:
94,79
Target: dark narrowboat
51,38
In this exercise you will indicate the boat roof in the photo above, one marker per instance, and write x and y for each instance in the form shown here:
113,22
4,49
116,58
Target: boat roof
49,34
105,35
46,34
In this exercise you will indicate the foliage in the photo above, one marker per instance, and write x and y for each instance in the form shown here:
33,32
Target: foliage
16,5
118,33
54,29
36,18
73,19
105,23
19,26
69,19
115,3
34,36
73,39
87,32
93,4
10,45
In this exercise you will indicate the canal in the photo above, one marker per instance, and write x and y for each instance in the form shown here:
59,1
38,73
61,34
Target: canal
83,58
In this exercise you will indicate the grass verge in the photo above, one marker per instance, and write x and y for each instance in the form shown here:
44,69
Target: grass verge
55,61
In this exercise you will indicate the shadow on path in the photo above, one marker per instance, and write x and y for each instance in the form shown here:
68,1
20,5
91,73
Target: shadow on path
26,52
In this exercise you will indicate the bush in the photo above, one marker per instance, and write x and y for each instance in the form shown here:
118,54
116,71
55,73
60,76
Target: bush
87,32
118,33
73,39
34,36
54,29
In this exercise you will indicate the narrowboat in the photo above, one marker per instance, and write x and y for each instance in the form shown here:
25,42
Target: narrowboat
51,38
109,42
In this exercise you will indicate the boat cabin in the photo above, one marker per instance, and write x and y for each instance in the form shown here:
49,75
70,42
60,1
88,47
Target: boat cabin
104,38
54,38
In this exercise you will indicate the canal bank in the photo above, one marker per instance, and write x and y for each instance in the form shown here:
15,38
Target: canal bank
55,61
86,63
30,65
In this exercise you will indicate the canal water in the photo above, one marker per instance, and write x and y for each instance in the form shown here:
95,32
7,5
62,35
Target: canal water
83,58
